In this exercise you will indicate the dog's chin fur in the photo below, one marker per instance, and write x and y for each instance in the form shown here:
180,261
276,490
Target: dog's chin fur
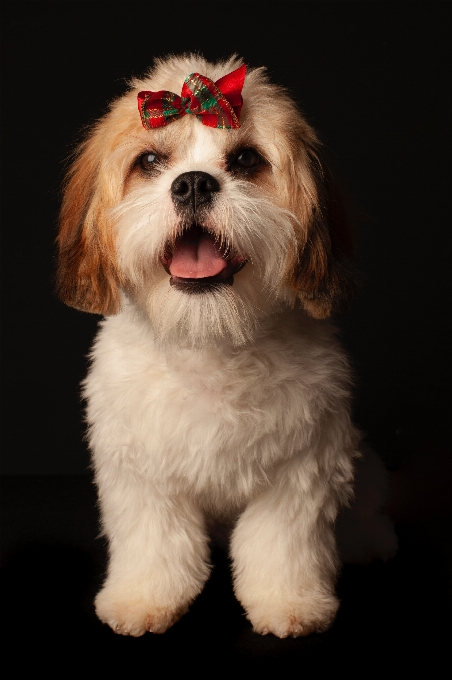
215,398
210,318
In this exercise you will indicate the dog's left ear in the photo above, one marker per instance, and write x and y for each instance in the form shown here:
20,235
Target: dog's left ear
87,276
321,273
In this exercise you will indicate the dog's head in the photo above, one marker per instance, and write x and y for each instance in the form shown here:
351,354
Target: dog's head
205,229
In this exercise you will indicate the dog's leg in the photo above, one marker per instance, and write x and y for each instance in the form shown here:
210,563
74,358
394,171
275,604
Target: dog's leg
158,558
284,554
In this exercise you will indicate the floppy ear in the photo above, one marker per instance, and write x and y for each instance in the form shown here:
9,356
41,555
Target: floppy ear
87,276
321,275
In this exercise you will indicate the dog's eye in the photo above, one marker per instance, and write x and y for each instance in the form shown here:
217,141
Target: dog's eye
244,161
248,158
148,161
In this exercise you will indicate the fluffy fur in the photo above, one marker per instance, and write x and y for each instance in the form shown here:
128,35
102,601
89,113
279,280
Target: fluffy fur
229,403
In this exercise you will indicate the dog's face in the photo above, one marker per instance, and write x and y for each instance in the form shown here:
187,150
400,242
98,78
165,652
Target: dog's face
206,230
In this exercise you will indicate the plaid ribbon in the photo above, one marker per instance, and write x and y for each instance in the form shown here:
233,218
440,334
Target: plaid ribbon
216,104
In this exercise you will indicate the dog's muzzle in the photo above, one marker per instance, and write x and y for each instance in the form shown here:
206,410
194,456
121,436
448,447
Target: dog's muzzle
198,260
193,190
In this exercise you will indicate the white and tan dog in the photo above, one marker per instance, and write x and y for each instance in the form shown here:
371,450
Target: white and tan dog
217,392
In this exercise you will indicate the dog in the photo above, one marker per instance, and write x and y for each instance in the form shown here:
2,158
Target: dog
207,230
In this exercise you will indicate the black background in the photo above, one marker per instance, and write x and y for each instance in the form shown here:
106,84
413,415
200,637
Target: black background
371,77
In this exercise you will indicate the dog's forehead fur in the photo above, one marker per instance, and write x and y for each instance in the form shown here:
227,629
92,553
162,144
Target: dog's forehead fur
269,117
170,73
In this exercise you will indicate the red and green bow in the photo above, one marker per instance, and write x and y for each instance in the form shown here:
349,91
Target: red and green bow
216,104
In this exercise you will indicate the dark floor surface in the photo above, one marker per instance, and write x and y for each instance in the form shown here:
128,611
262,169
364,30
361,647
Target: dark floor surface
393,615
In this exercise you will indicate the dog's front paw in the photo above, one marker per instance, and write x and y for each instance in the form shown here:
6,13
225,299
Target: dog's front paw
293,617
128,612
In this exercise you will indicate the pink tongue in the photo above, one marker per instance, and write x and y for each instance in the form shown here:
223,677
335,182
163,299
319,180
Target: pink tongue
196,256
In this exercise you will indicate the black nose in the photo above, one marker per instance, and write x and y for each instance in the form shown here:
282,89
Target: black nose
193,189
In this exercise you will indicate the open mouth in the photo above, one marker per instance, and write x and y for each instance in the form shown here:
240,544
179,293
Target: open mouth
196,261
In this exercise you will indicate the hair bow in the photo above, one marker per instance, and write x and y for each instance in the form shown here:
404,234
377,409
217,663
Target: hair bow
216,104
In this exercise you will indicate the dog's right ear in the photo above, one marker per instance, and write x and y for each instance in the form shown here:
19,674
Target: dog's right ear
320,273
87,274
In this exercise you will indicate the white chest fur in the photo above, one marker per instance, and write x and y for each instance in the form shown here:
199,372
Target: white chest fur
217,421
